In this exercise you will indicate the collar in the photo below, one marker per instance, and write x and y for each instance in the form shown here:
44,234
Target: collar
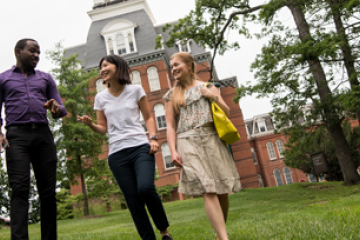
18,70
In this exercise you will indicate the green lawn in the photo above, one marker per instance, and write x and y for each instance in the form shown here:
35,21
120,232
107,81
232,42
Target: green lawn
299,211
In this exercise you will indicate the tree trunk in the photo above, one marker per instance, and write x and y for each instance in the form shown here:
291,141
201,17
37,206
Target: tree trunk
333,124
349,59
83,188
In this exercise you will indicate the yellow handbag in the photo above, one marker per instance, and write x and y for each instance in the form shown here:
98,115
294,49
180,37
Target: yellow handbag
224,127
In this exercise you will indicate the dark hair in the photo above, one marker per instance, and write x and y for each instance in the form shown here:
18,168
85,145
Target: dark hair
22,43
122,69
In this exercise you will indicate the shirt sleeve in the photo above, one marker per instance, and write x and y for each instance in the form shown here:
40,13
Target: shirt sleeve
140,93
53,93
97,105
168,95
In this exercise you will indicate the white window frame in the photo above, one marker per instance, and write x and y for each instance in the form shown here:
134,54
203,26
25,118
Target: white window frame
109,32
280,147
165,151
100,86
254,156
134,73
180,46
271,150
278,178
160,115
122,44
154,79
287,175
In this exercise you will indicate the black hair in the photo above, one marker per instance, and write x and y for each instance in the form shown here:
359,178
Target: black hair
22,43
122,69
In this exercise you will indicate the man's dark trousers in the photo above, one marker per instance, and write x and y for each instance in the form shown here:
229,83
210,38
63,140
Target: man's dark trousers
31,144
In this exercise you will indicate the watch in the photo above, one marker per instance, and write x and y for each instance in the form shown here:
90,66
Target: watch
153,137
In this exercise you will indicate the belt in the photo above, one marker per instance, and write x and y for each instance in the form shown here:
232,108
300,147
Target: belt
27,126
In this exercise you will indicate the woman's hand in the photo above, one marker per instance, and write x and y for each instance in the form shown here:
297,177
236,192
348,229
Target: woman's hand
207,93
154,146
86,119
176,160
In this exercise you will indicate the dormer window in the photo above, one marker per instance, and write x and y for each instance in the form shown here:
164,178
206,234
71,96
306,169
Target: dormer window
183,47
120,37
120,44
262,125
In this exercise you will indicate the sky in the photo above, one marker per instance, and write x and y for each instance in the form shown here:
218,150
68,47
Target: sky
51,21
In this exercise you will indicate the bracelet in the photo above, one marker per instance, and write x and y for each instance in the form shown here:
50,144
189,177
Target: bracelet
217,98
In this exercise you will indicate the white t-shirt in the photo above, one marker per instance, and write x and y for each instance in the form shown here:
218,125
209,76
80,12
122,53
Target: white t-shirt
123,117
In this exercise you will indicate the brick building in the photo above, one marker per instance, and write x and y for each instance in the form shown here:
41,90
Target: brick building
127,28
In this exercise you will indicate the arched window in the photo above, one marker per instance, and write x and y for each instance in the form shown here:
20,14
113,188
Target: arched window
100,86
135,77
160,116
110,46
120,44
153,78
254,156
142,122
278,178
280,147
271,150
165,150
260,180
131,43
288,176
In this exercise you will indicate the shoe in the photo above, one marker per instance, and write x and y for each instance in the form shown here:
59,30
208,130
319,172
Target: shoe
166,237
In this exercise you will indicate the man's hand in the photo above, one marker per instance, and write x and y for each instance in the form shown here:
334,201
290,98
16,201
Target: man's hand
54,107
3,141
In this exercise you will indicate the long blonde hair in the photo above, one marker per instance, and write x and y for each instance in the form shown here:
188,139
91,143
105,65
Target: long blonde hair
178,98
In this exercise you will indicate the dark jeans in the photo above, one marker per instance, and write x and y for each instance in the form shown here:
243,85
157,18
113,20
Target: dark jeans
35,146
134,170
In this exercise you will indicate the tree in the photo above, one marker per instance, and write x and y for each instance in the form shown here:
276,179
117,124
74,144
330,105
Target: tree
289,68
304,142
4,190
77,145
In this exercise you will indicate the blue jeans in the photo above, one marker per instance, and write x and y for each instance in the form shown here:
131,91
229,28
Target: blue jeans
134,170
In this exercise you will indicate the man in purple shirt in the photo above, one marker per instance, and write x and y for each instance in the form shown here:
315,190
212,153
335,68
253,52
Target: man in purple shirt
27,94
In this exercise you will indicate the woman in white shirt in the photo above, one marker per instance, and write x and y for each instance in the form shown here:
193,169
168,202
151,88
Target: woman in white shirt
131,153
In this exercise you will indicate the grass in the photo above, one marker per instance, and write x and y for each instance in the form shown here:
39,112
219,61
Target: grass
298,211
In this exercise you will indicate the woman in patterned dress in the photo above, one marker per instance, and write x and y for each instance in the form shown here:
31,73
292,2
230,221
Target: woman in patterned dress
207,166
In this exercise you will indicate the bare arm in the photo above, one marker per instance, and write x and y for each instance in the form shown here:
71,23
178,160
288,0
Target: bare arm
171,133
101,127
150,124
211,94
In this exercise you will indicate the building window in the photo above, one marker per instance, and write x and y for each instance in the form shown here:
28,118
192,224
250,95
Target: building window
135,78
131,43
280,147
262,125
120,44
183,46
142,122
153,79
260,180
110,46
165,150
271,150
288,176
312,177
278,178
100,86
160,116
254,156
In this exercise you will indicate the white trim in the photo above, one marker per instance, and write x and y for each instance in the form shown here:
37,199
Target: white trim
273,149
277,146
120,9
286,179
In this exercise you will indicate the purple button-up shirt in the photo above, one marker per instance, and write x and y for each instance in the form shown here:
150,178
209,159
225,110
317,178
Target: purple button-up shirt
24,96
